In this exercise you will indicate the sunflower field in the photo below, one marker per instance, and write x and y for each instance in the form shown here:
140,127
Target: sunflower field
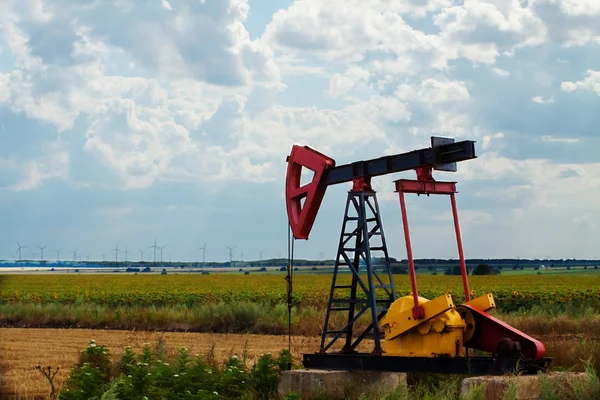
511,292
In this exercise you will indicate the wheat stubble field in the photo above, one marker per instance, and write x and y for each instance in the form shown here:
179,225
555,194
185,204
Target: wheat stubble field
22,349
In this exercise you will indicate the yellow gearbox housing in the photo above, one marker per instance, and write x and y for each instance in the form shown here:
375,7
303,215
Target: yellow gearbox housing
439,333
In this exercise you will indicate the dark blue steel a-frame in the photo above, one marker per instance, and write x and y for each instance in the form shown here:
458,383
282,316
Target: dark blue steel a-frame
361,236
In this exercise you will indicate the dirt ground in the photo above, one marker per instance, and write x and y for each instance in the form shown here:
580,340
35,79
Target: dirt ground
22,349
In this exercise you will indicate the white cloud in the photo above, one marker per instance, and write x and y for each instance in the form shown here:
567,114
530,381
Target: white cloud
473,218
553,139
569,22
294,66
433,91
174,100
590,83
541,100
489,139
342,31
500,72
25,175
580,7
478,30
341,84
138,126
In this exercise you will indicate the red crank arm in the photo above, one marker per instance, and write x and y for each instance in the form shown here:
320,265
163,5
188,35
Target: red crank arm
302,215
490,331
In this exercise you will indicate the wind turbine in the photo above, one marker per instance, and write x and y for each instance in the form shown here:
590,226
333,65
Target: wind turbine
169,257
88,257
260,252
231,254
154,246
19,249
58,254
126,252
42,250
74,255
161,249
103,257
116,250
141,255
204,251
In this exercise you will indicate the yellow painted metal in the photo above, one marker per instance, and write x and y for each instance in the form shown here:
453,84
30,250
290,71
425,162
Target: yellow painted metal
439,333
483,303
399,317
467,316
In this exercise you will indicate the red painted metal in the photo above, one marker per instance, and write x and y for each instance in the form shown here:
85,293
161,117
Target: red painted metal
425,173
461,255
425,187
417,311
302,216
425,184
362,184
489,331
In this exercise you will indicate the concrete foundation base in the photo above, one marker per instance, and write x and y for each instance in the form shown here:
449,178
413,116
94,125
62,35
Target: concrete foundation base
527,387
312,383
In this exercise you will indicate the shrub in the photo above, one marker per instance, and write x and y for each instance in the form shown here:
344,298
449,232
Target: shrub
91,375
453,270
482,269
147,376
397,269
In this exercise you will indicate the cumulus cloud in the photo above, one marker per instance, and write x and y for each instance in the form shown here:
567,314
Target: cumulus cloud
171,106
137,125
590,83
571,23
479,30
501,72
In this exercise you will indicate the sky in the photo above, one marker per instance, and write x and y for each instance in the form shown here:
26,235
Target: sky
124,122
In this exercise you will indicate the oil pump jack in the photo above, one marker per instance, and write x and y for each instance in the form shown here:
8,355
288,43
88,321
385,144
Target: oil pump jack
409,333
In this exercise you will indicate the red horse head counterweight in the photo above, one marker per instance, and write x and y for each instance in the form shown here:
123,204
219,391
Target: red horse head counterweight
420,335
303,202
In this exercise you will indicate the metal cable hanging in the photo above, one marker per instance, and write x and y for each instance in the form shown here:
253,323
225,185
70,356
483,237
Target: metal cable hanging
288,278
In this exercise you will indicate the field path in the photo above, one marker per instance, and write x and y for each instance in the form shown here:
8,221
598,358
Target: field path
21,349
